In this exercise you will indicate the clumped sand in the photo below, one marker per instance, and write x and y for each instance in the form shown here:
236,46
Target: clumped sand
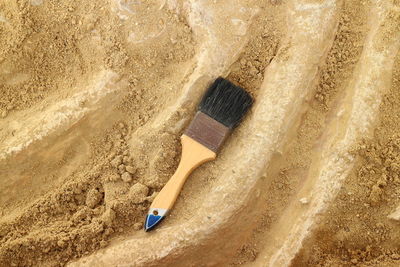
61,202
79,170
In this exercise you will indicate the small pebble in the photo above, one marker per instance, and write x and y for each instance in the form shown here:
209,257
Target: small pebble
60,243
113,177
4,114
137,226
138,193
130,169
103,243
125,159
108,217
121,168
93,198
126,177
395,215
303,201
117,143
116,161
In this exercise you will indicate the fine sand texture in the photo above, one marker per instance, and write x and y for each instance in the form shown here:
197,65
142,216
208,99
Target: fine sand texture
94,96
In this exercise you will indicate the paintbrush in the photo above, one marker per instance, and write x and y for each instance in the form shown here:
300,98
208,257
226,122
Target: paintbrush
220,110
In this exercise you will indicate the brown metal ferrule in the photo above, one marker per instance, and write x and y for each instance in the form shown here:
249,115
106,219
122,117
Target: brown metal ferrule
207,131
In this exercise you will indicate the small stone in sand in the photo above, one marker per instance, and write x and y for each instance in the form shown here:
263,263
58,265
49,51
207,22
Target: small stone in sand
4,114
130,169
303,201
121,168
126,177
103,243
125,159
375,195
113,177
138,226
82,214
116,161
93,198
61,243
108,217
395,215
138,193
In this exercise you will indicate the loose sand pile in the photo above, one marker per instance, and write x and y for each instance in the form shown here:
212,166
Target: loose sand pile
95,94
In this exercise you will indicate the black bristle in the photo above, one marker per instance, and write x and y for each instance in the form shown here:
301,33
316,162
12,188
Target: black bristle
225,102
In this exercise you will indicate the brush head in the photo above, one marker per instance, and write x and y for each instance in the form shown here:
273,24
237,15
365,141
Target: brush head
225,102
221,109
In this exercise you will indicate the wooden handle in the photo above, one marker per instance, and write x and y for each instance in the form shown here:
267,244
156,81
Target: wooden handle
193,155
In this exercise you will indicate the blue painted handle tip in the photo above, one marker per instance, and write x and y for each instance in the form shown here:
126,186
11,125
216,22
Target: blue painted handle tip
151,221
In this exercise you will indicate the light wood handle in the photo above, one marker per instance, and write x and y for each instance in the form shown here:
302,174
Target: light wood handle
193,155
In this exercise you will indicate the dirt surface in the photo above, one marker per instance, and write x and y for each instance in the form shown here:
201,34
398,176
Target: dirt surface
94,96
68,196
358,228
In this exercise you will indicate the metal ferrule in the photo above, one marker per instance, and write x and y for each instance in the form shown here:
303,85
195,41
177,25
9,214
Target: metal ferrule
207,131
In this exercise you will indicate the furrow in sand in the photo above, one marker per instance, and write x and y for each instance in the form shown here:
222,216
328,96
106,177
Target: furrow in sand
22,129
355,117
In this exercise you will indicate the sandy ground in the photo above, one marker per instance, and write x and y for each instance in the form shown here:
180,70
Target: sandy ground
94,96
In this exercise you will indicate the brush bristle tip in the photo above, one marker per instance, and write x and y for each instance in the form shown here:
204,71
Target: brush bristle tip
225,102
